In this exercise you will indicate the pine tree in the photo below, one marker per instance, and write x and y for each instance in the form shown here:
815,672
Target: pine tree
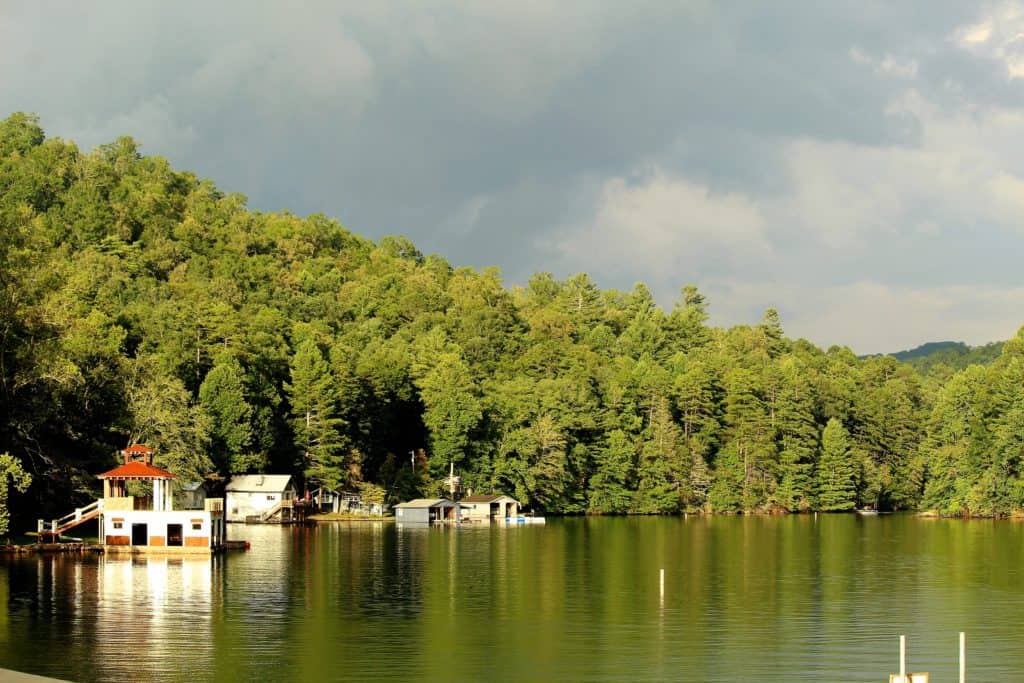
317,427
659,470
451,409
748,443
686,325
797,437
836,469
609,487
222,397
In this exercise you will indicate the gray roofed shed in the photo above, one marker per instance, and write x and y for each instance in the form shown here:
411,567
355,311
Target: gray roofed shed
426,510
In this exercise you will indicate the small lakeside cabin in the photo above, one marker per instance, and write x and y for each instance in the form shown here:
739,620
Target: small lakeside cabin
149,523
427,511
489,508
261,498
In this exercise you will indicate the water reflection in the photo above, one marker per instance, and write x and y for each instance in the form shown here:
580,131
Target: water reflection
152,618
766,599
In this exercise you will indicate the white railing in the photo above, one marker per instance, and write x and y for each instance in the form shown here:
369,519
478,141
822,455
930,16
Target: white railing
71,519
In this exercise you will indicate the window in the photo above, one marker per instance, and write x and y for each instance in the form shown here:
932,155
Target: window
118,523
271,497
197,525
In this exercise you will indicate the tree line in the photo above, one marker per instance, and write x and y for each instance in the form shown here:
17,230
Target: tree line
139,303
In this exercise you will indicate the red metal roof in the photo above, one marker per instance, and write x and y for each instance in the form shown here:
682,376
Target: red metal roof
137,470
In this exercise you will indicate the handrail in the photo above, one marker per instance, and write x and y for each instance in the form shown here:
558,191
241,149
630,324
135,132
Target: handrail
80,512
273,511
72,519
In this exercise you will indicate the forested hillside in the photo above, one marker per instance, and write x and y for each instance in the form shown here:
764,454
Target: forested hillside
954,355
140,304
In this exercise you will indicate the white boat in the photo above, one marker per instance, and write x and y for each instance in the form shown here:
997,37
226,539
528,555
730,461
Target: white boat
524,520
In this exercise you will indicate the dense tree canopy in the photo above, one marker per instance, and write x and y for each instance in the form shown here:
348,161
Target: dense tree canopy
140,303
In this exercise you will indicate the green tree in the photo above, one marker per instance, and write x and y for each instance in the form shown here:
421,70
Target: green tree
317,427
161,413
686,324
19,133
659,471
11,476
836,469
451,410
222,397
609,487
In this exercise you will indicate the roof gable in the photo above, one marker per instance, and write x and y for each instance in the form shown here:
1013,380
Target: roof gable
136,470
488,498
426,503
259,483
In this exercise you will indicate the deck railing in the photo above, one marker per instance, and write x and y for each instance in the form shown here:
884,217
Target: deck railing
70,520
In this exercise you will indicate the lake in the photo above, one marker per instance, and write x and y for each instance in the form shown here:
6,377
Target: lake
793,598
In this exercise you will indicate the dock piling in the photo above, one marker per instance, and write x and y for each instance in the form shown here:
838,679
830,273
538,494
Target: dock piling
963,657
903,659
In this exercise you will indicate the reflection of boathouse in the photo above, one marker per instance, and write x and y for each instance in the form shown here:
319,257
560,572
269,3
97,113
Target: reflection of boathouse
149,522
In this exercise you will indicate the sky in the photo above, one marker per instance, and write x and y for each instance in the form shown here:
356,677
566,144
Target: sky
857,165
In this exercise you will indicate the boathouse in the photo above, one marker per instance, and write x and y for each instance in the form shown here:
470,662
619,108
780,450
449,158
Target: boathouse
259,498
426,511
490,507
147,521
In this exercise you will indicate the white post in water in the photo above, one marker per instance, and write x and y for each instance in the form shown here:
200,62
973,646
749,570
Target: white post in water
661,591
903,659
963,657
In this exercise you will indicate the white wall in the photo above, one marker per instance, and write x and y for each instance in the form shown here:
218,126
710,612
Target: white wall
157,523
241,504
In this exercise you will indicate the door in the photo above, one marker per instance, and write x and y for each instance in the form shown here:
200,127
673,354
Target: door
174,534
140,534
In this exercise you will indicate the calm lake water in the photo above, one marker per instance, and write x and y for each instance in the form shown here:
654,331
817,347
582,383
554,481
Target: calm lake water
746,599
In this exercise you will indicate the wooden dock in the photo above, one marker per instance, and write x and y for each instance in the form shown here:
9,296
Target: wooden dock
8,676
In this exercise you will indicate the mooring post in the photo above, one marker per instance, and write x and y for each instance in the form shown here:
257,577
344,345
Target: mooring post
903,659
661,591
963,657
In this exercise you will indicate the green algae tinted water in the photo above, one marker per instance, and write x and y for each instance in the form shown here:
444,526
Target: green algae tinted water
746,599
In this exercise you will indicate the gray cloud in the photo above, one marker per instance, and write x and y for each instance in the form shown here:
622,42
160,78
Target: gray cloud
856,164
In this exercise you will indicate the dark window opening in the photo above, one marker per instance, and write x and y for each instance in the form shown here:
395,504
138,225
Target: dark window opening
140,534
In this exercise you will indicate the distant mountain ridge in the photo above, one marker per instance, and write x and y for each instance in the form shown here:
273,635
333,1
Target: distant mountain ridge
929,348
955,354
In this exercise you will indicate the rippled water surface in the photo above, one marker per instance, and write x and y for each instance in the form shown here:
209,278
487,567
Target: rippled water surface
746,599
